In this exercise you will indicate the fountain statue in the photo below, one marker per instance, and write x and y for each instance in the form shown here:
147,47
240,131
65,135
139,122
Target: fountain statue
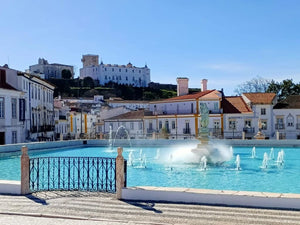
260,135
213,154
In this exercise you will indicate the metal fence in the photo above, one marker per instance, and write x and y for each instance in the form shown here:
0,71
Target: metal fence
73,173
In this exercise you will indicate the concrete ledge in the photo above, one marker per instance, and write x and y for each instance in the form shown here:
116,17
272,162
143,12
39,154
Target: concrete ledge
10,187
213,197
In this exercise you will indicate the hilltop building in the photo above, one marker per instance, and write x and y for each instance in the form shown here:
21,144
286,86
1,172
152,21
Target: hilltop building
49,70
121,74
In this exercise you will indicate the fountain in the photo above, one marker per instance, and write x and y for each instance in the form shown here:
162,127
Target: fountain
157,154
280,159
130,158
265,161
271,155
238,162
214,154
112,143
110,138
203,163
253,153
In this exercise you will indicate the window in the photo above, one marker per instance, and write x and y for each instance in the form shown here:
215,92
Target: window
133,71
131,125
264,125
139,71
290,120
126,70
150,126
126,78
192,108
216,106
140,125
22,109
248,123
113,77
232,124
113,69
173,125
14,137
216,124
14,108
263,111
159,125
105,69
2,109
105,77
119,70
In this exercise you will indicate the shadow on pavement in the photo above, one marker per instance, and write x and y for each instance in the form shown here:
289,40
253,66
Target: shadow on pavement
144,205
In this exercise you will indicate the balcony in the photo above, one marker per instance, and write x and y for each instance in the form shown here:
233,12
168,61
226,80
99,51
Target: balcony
248,130
150,130
186,131
279,126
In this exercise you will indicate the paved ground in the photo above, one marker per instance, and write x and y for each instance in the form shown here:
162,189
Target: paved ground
98,208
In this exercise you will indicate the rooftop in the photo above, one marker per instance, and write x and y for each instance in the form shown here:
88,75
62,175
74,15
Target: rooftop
133,115
291,102
260,98
235,104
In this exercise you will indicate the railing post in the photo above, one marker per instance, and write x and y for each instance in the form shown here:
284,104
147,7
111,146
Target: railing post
25,171
119,173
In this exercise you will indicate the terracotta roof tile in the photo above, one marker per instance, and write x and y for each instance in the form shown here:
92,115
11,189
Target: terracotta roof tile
260,98
235,104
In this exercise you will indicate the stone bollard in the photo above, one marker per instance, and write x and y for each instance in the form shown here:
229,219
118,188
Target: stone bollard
244,135
119,173
25,171
277,135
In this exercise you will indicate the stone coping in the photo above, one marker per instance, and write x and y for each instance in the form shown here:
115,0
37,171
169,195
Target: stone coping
213,197
218,192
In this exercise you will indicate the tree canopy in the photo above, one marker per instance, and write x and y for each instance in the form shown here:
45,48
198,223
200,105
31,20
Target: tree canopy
257,84
66,74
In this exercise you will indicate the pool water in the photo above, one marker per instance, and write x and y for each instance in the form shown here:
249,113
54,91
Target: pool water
163,167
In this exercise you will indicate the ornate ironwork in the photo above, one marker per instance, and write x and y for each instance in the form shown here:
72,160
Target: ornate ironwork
73,173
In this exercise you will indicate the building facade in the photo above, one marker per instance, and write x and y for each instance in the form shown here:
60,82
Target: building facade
12,113
121,74
50,70
38,104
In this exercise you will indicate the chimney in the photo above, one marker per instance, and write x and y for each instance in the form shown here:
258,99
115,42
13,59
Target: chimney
182,86
204,85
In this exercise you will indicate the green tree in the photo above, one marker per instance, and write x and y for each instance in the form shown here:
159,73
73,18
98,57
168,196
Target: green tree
284,89
66,74
88,82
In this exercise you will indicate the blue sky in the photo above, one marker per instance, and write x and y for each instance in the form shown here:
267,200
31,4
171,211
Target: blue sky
227,42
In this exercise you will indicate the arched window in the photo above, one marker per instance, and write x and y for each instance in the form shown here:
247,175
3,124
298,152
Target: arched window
290,120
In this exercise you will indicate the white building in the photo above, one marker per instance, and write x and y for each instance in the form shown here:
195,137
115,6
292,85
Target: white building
286,117
129,104
38,100
12,113
121,74
52,70
128,125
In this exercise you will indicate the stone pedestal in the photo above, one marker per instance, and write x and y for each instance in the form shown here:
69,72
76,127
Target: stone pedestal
25,171
119,173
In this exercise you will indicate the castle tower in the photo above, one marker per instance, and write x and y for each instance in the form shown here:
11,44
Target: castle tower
182,86
90,60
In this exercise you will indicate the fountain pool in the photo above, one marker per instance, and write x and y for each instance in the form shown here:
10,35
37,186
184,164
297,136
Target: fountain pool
174,167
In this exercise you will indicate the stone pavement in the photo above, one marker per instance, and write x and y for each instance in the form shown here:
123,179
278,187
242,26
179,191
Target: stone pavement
101,208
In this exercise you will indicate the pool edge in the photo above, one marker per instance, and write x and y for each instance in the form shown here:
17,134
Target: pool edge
213,197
